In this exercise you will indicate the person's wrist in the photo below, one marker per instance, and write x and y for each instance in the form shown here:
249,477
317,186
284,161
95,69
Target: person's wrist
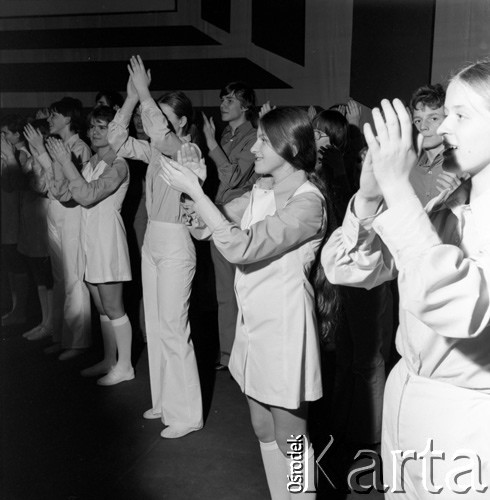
212,144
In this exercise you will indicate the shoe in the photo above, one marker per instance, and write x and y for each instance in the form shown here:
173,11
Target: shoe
177,432
53,348
150,414
42,333
70,354
115,376
219,367
27,334
100,368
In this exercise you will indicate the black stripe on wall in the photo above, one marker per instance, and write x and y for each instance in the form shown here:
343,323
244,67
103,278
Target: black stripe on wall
217,12
159,36
279,27
392,44
184,74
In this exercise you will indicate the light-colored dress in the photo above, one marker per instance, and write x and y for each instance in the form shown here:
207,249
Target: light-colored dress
100,190
276,355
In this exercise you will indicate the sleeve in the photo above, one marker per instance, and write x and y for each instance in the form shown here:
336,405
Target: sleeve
156,127
439,285
300,220
123,144
235,170
38,180
355,255
89,193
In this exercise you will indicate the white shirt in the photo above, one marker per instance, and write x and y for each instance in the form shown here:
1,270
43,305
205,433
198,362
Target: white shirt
443,265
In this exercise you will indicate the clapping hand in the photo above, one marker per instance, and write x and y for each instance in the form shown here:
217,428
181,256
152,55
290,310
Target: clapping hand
266,107
34,138
391,149
209,130
189,157
58,151
179,176
353,112
140,77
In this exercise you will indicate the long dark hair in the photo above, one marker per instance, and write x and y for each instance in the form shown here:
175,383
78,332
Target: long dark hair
182,106
290,133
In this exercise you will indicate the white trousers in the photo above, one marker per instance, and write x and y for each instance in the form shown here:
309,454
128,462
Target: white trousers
168,266
71,298
424,419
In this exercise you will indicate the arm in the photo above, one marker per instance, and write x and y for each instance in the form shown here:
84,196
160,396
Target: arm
234,170
90,193
122,143
439,285
154,121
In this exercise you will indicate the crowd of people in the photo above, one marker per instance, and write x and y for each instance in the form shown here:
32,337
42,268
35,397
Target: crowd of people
316,228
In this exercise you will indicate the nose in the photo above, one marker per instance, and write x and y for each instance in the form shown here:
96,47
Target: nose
254,147
443,127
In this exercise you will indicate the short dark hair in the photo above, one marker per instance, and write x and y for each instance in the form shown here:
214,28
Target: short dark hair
72,108
244,93
15,123
431,96
104,113
114,98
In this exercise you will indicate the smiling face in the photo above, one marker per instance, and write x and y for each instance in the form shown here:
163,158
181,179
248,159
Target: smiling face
57,122
97,133
427,121
466,129
267,161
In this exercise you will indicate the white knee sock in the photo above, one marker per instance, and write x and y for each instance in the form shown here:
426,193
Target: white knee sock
275,470
309,479
123,334
110,350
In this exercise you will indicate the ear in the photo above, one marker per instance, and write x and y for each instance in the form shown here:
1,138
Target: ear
183,121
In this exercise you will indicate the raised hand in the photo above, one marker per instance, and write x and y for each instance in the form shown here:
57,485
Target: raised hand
209,131
353,112
34,138
180,177
188,157
266,107
140,76
131,91
58,151
392,152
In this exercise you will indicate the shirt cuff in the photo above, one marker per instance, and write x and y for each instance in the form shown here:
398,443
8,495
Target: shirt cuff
209,213
406,230
356,230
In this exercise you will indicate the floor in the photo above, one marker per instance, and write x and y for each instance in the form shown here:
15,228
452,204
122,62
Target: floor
65,438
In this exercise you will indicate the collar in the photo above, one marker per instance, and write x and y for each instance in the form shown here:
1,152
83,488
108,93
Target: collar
288,186
425,163
74,138
243,129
